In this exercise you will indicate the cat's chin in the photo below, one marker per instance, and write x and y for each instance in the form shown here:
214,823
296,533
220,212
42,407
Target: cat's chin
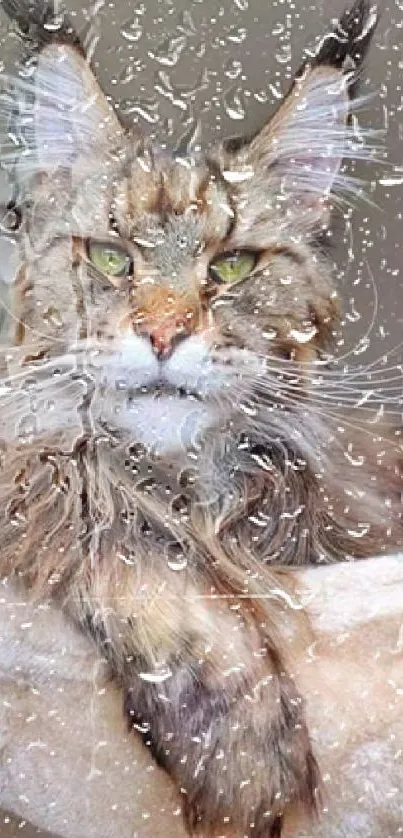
166,424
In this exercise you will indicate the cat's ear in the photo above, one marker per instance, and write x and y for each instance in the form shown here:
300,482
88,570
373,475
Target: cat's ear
297,156
72,119
304,144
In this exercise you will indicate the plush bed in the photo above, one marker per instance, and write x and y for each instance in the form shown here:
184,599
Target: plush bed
68,764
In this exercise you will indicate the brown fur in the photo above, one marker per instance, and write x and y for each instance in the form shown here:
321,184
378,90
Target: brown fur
97,520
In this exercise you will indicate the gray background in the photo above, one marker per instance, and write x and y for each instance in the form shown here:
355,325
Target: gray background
209,70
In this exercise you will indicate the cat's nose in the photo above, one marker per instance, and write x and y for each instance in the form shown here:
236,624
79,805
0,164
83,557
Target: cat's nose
165,316
164,337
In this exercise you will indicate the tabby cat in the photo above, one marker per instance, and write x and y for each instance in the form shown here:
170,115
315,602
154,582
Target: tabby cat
165,454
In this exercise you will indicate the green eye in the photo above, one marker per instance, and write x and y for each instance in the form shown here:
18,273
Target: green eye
232,267
110,259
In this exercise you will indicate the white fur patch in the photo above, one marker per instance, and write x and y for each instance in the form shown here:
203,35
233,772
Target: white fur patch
192,368
132,365
165,423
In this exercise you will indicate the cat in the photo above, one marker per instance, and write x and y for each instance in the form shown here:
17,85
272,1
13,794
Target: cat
166,450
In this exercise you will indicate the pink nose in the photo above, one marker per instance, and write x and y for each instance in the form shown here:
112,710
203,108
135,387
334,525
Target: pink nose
165,335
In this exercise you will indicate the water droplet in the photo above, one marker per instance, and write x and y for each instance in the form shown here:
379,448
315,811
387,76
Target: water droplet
237,35
261,96
234,104
157,677
391,181
292,515
283,56
277,29
128,73
238,175
15,512
249,407
355,461
202,82
146,108
243,5
147,485
360,533
276,93
127,558
353,315
269,333
186,24
263,460
144,727
178,93
52,316
132,30
188,141
136,452
27,428
28,68
362,346
233,69
259,520
169,51
11,220
303,335
54,24
178,564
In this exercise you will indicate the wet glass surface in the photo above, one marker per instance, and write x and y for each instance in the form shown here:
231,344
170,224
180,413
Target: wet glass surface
189,74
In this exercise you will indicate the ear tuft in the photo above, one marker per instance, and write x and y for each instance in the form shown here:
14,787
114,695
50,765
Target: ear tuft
39,21
297,156
346,46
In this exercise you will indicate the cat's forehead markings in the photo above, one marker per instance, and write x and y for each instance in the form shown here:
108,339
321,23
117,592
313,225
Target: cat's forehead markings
170,248
191,202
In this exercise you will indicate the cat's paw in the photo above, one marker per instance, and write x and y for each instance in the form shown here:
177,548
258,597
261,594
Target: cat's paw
239,752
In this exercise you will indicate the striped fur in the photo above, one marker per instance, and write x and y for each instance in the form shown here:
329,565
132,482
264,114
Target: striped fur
165,449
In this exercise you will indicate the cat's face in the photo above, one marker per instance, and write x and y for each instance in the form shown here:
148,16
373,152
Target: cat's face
189,291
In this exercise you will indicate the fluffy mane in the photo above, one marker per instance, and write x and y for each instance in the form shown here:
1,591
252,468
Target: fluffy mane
171,444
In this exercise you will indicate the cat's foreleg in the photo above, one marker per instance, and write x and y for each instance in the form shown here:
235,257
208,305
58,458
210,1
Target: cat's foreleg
220,713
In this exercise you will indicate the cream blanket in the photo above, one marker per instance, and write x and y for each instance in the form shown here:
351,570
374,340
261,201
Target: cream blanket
67,763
